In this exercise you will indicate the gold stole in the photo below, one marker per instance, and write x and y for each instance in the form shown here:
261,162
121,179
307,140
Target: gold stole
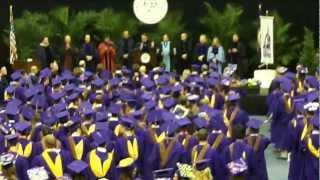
133,149
98,168
313,150
254,146
198,156
155,138
306,129
217,141
165,152
90,130
76,149
186,141
26,152
228,122
213,101
56,166
300,86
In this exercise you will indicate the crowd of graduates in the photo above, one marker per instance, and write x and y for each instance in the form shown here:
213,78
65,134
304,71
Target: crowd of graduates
133,124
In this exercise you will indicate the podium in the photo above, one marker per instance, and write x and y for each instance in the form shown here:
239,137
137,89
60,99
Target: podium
148,59
265,76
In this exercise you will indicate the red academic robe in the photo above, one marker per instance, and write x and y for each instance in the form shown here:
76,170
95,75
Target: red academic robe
107,55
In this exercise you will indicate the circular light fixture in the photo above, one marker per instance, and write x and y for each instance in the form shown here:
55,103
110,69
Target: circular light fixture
150,11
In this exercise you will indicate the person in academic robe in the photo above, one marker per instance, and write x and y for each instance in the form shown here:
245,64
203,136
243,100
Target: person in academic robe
125,48
107,54
4,82
301,75
44,54
216,138
233,114
201,50
311,152
216,54
258,144
68,55
145,45
25,150
102,159
239,159
88,53
216,100
184,53
237,55
166,52
52,158
203,151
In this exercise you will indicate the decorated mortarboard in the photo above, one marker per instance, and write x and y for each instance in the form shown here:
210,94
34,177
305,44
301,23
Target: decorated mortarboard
237,166
16,76
254,123
22,126
163,173
98,83
200,123
311,106
10,89
27,112
127,121
38,173
301,69
312,81
77,167
7,159
202,164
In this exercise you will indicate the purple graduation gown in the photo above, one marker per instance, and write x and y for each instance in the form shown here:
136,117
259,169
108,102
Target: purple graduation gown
188,147
261,166
224,142
310,168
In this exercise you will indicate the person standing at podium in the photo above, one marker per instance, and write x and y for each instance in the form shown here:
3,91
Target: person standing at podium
166,53
125,47
146,46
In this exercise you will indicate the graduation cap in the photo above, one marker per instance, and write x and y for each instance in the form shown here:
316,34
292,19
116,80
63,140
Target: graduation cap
150,104
212,82
290,75
193,97
165,90
7,159
226,82
86,108
254,123
115,82
56,81
98,139
200,123
16,76
177,88
12,109
27,113
57,96
196,67
77,167
162,80
148,83
67,75
233,96
202,164
88,74
127,121
147,96
22,127
62,115
312,81
302,70
183,122
169,103
69,87
98,83
312,96
311,106
281,69
73,97
101,116
163,173
10,89
47,119
45,73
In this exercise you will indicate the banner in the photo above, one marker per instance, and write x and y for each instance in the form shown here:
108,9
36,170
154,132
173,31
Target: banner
266,41
13,48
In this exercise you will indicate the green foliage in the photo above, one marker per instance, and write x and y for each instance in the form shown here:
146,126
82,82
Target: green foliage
286,47
172,25
112,24
308,53
222,24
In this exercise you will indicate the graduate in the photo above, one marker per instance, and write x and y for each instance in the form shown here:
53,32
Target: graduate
259,144
233,114
25,149
52,157
310,147
101,159
239,159
301,74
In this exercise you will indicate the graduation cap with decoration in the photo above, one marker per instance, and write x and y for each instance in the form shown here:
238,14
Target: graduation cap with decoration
167,173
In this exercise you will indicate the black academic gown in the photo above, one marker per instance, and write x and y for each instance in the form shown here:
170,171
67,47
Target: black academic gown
125,47
182,48
44,55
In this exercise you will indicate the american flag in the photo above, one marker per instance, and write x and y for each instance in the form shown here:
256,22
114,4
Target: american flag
13,48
